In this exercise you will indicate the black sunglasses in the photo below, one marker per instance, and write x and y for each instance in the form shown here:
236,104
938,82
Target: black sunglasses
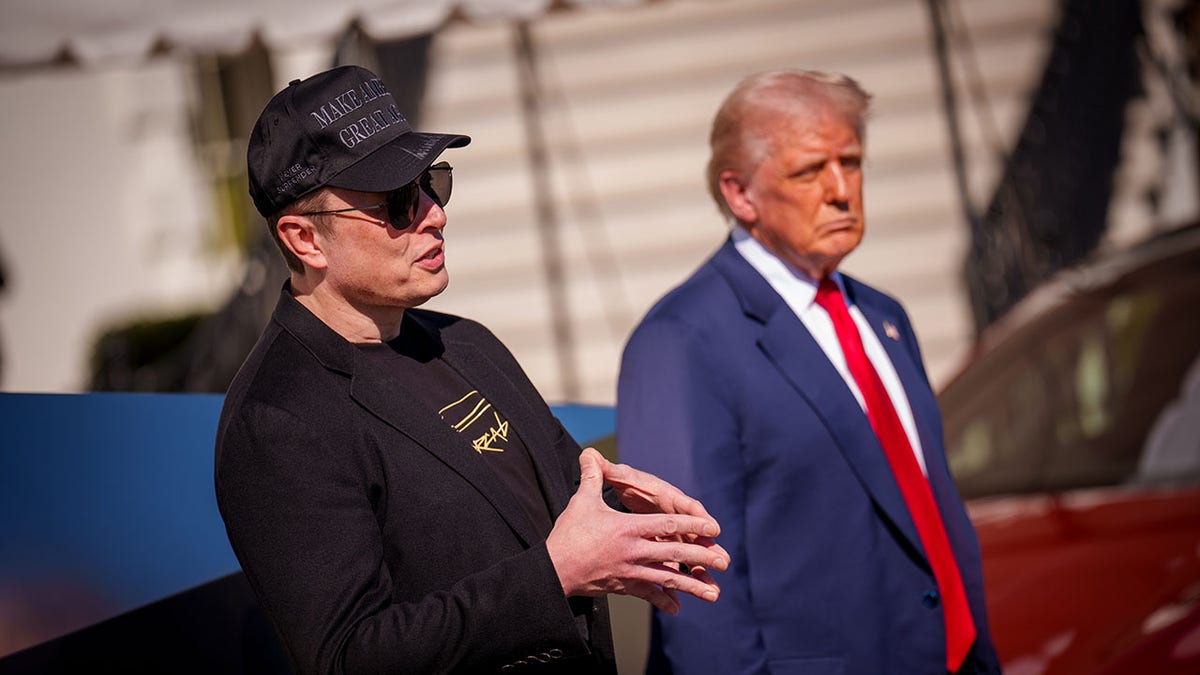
401,203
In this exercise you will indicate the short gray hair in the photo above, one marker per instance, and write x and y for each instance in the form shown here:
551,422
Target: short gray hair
735,141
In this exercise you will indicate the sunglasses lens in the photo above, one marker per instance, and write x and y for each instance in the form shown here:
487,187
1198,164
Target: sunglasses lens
402,203
436,181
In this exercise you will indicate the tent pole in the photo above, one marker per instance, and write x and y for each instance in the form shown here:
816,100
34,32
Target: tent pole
547,217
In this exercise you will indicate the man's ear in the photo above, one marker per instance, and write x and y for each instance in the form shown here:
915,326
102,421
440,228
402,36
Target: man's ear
300,235
734,192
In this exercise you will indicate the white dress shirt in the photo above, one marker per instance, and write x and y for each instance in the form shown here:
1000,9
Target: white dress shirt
800,293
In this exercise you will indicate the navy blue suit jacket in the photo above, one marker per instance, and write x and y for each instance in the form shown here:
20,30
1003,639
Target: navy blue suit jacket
724,393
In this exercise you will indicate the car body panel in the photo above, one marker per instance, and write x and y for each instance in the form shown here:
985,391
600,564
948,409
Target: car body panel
1074,435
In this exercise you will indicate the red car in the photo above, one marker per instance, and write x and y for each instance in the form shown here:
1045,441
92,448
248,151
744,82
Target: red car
1074,435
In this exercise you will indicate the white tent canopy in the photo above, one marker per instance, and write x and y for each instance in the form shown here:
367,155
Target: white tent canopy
39,32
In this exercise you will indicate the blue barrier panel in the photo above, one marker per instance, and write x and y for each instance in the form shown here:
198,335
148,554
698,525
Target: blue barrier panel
107,504
587,423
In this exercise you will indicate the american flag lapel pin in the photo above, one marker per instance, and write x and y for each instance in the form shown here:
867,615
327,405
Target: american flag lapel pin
889,329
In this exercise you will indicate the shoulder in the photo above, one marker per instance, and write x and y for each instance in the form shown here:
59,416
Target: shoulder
876,304
279,362
282,382
689,322
281,412
865,295
696,301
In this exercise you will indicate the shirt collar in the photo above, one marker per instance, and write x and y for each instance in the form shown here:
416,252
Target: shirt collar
776,271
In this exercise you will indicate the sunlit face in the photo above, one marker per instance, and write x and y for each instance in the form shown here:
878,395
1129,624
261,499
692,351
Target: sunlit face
803,202
376,265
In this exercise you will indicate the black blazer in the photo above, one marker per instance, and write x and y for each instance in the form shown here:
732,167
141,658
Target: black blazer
374,536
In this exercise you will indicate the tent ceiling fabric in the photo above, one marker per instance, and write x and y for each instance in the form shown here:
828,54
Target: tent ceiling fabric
40,32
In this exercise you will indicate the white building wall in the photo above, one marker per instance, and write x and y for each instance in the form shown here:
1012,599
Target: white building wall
105,217
631,95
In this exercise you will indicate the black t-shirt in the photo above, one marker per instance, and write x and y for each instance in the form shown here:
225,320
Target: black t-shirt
411,357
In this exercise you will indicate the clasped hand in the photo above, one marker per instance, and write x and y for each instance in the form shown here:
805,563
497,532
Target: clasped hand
664,547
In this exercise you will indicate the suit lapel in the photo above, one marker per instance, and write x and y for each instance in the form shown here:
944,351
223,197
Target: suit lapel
787,343
921,398
396,404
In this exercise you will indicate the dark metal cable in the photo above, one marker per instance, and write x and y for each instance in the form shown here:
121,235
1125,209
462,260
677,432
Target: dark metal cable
950,107
598,251
547,216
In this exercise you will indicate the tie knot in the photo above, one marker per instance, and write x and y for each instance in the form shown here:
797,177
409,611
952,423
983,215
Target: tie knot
829,296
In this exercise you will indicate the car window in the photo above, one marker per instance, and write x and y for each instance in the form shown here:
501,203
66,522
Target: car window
1102,391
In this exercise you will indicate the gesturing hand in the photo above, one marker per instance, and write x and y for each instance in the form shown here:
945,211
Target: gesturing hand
597,550
642,492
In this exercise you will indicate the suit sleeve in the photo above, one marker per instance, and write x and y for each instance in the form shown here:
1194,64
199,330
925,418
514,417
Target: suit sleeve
299,515
677,419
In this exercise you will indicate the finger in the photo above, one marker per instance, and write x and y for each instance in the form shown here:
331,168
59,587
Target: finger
673,595
645,485
711,545
675,500
681,552
601,460
656,491
591,477
674,581
638,484
707,543
675,526
701,574
666,601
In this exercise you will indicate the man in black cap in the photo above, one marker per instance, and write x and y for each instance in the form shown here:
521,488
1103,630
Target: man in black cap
400,497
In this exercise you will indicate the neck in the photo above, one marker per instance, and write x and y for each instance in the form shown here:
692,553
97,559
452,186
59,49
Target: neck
814,267
354,323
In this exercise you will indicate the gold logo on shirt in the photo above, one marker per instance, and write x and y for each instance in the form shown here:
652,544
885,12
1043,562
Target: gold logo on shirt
488,440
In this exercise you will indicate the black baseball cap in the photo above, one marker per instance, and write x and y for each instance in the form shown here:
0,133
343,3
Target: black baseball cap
338,128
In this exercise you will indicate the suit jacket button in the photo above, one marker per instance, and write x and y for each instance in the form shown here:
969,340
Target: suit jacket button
930,599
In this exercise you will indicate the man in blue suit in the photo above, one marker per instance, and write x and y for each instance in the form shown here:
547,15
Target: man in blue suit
793,401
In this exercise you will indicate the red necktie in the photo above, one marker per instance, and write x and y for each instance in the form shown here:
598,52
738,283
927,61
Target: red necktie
960,628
